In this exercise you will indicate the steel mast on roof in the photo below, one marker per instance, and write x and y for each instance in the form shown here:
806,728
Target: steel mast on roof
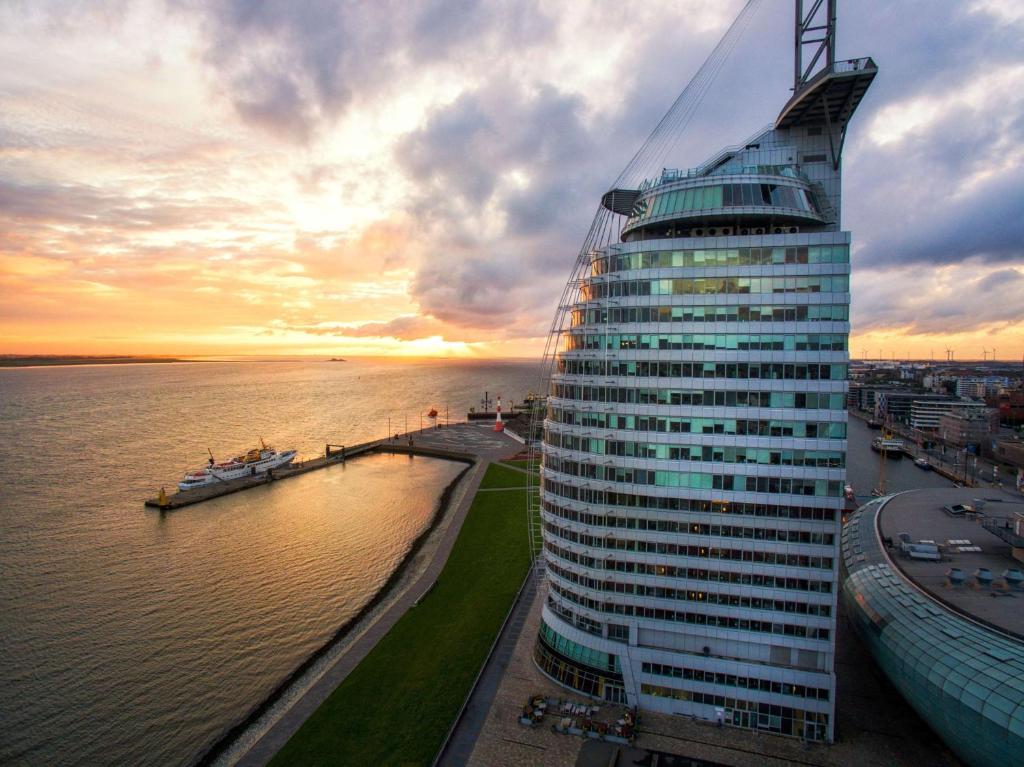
820,19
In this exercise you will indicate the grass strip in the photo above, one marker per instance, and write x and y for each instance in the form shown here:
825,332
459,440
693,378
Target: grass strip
397,705
502,476
523,463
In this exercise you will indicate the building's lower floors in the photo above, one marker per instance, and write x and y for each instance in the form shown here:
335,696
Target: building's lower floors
751,695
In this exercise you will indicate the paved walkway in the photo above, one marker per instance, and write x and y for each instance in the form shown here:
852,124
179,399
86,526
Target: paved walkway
875,726
475,439
468,729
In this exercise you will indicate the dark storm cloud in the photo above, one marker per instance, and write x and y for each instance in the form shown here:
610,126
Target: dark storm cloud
930,197
470,153
987,225
292,68
500,152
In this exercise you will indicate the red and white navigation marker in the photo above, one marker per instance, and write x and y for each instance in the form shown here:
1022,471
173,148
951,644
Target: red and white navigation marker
498,425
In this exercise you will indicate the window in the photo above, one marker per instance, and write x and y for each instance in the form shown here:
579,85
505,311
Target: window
618,633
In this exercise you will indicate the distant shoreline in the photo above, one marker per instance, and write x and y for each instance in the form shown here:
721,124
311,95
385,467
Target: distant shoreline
31,361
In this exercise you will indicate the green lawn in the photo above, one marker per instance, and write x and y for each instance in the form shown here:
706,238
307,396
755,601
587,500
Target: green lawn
502,476
398,704
523,463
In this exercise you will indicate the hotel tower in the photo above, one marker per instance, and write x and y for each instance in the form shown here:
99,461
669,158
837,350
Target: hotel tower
694,445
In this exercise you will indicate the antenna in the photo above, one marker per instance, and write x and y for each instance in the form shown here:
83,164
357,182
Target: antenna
816,27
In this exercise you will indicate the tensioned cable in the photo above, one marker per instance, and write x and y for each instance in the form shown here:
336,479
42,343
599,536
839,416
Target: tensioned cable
667,132
671,136
606,225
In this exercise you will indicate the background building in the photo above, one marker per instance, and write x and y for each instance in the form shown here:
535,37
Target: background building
926,414
952,650
969,426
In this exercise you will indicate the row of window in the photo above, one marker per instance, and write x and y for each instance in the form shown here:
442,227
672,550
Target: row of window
694,551
828,459
731,167
688,286
580,621
721,196
694,618
577,652
634,500
671,425
707,397
734,680
744,313
754,342
683,527
775,371
690,595
599,685
760,580
811,725
696,480
762,256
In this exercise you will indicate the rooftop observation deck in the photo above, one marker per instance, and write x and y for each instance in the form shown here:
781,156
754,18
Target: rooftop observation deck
921,515
831,96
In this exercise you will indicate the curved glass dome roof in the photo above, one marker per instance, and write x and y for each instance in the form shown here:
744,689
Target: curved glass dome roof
779,198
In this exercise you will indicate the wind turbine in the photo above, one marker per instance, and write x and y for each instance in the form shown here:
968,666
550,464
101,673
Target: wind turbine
993,354
949,354
984,354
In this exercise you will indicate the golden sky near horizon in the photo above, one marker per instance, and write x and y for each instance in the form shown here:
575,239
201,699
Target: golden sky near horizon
225,178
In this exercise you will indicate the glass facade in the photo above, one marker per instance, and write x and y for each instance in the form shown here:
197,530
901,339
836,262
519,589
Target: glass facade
692,480
965,679
694,445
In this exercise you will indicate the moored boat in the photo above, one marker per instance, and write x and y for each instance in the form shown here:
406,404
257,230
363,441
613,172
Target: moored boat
250,464
922,463
891,448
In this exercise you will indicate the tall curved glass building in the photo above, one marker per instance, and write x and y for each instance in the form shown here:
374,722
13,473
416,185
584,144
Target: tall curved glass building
695,438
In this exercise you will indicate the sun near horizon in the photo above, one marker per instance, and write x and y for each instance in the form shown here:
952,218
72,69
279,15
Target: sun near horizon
184,180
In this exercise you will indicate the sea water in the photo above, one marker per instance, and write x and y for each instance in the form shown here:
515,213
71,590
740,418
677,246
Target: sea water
130,636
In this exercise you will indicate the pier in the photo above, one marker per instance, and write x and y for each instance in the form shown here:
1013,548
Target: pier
406,444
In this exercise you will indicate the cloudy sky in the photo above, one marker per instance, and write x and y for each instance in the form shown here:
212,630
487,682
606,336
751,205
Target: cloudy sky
395,177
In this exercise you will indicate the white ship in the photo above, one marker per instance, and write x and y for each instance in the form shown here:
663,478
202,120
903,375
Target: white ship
256,461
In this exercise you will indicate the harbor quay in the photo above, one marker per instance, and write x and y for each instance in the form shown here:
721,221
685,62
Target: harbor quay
972,471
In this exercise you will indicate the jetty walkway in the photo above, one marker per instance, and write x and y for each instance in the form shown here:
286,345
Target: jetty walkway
456,442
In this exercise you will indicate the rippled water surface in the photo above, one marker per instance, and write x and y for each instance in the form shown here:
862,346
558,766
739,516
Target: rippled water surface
863,467
134,637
